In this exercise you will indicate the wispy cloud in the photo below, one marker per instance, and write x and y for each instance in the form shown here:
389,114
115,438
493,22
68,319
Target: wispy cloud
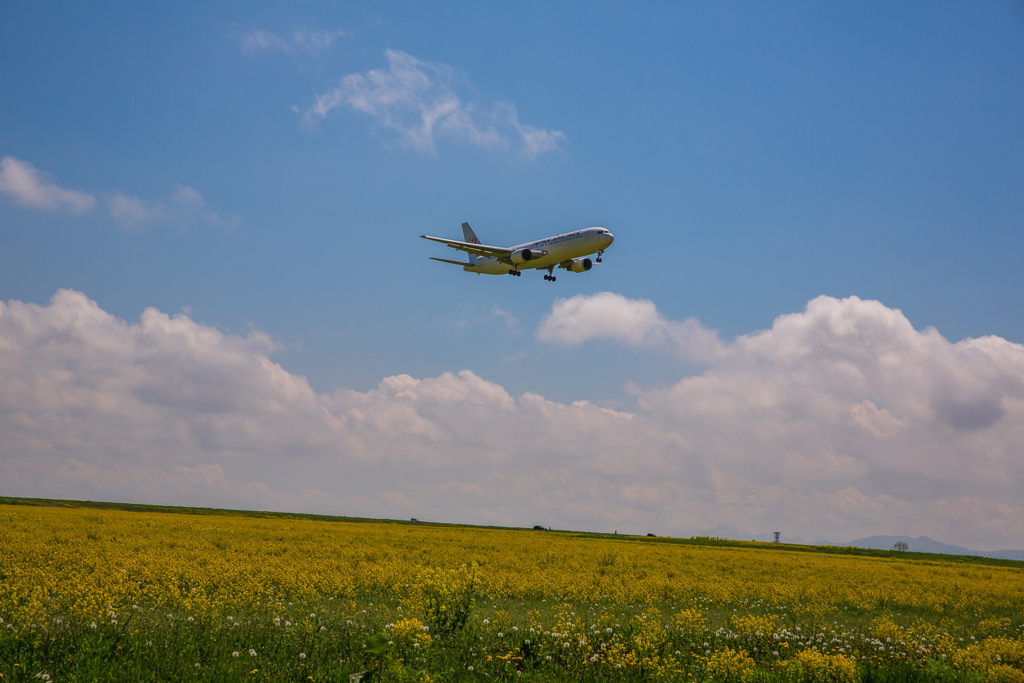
417,100
29,186
187,205
132,211
187,196
841,420
470,315
255,41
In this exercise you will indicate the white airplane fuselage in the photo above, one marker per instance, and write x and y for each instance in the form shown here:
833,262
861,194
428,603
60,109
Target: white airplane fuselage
560,248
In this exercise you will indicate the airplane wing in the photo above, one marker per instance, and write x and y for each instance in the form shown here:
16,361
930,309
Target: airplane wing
472,248
444,260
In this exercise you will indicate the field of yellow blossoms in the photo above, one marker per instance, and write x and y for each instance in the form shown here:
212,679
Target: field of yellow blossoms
109,594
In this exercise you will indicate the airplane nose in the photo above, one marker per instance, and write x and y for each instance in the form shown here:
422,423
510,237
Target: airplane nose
611,237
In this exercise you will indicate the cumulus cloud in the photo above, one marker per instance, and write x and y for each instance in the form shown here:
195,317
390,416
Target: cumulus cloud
417,100
842,406
841,420
28,186
254,40
634,322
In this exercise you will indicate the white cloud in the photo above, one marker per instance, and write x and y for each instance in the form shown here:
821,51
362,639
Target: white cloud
841,421
190,206
256,40
634,322
470,315
28,186
132,211
187,196
604,315
315,42
418,101
845,397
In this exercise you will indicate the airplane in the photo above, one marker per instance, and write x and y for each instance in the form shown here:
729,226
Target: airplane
561,251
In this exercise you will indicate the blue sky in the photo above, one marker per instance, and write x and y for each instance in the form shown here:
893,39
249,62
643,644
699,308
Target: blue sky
748,158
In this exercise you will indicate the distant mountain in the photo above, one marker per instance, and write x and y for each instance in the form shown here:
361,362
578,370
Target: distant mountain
923,544
821,540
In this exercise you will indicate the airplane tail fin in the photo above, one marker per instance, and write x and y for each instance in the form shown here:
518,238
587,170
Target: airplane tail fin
471,237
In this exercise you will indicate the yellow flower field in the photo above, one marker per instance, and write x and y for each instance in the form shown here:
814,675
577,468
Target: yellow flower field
654,598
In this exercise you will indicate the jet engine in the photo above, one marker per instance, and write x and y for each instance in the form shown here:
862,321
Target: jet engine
580,265
520,256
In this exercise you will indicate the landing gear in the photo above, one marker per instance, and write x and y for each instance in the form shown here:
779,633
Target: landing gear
599,252
550,277
514,272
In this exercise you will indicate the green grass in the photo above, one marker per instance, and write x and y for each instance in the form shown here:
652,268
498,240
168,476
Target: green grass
335,640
